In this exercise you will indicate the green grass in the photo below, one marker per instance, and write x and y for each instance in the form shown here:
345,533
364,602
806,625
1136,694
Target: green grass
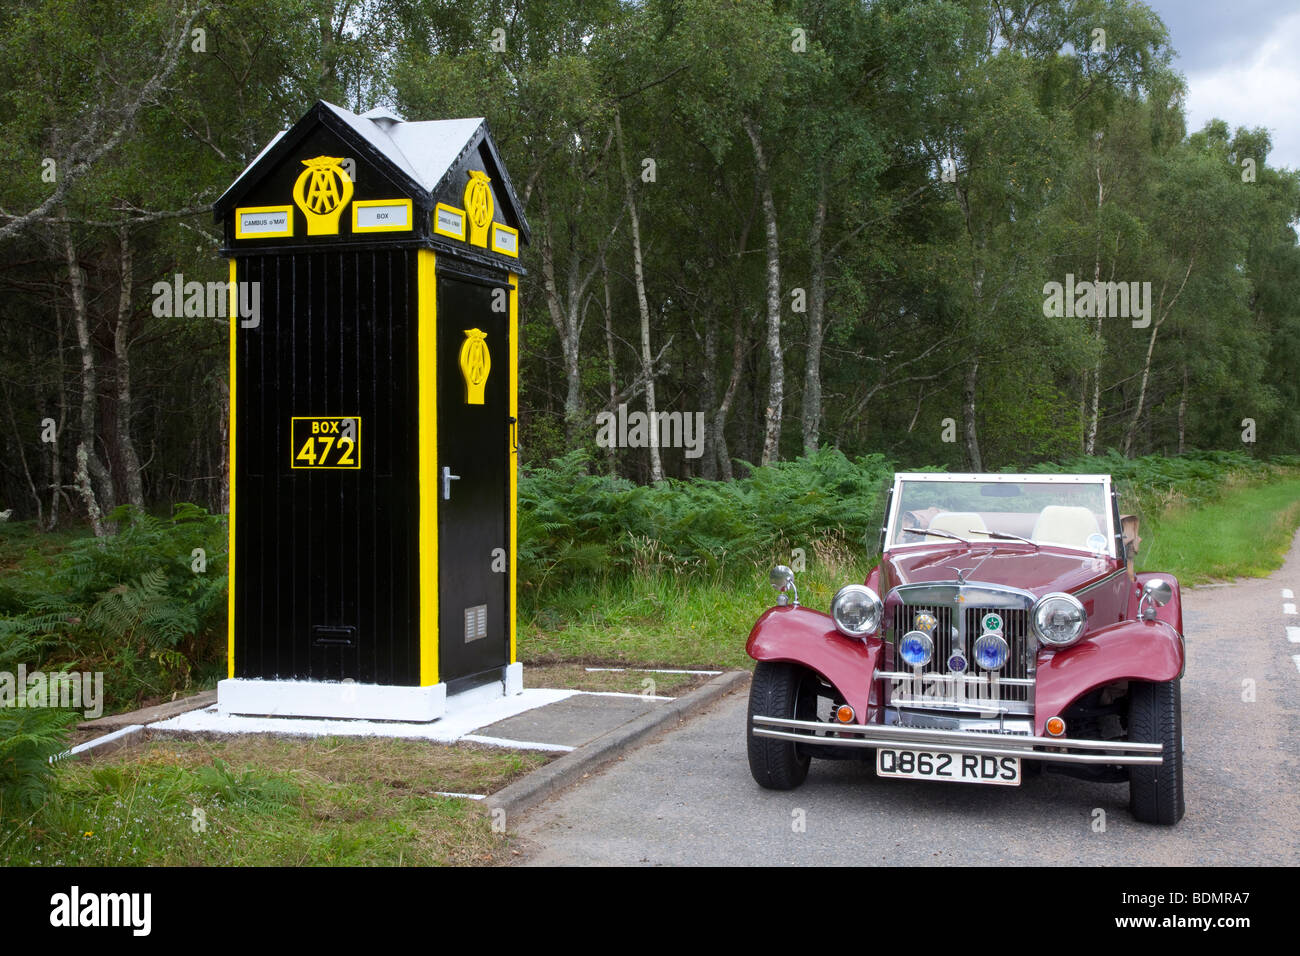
1245,533
661,619
270,802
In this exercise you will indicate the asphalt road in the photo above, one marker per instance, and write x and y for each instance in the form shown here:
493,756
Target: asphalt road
688,798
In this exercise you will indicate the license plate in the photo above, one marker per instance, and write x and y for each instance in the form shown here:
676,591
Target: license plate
954,768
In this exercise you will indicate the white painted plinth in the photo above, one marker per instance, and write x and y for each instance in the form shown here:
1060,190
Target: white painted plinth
343,700
352,701
514,678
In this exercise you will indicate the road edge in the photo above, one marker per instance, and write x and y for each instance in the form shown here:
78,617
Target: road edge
529,791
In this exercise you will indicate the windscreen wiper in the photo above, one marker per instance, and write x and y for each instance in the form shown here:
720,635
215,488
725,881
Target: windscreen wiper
937,534
1006,537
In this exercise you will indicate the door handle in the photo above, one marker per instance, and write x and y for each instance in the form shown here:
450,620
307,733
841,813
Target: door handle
447,479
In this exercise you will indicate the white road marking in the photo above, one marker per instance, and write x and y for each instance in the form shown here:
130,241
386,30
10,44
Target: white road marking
98,741
515,744
1286,593
1296,658
1293,635
1288,608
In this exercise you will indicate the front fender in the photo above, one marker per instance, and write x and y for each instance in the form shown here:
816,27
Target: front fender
1134,650
801,635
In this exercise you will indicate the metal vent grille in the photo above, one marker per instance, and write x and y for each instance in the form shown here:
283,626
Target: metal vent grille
475,622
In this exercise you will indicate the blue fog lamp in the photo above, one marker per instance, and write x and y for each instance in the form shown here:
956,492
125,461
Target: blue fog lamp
991,652
916,648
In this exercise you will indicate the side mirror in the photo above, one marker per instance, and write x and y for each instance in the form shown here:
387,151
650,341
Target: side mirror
1154,593
1158,591
782,578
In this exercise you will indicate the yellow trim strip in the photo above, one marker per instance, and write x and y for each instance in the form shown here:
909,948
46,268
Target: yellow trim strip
233,297
405,226
278,234
511,454
427,420
451,210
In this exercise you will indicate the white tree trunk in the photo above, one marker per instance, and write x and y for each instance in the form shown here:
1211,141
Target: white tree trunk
1131,431
812,379
968,416
1094,408
121,351
88,464
776,377
611,453
643,307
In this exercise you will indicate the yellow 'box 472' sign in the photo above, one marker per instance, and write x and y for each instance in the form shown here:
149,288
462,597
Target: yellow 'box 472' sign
325,442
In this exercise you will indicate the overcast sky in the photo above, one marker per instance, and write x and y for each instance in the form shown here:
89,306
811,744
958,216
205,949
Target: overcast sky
1241,59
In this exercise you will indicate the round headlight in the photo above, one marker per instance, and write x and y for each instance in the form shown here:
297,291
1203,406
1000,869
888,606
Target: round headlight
1059,619
916,648
856,610
991,651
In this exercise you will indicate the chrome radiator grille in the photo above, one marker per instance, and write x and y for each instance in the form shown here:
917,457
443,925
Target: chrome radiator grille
1015,631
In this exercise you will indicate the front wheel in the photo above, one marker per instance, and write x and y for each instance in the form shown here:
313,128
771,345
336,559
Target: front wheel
778,690
1155,716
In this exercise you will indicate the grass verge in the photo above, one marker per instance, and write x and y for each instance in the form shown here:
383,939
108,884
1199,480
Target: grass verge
260,801
665,620
1245,533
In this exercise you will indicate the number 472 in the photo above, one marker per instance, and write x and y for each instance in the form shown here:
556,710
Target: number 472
343,450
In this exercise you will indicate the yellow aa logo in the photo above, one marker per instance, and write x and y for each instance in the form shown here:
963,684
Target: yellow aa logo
478,206
321,192
475,363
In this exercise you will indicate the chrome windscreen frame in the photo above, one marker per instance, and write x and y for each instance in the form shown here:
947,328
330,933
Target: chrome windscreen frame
896,501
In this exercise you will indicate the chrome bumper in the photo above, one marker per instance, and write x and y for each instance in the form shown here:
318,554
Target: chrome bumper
960,741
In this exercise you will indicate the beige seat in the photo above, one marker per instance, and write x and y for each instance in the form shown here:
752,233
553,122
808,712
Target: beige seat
1066,525
964,524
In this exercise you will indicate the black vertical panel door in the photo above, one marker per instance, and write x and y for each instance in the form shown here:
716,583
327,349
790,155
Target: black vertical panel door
473,511
326,560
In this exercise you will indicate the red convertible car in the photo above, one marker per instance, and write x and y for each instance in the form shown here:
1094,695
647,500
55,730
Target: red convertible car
1004,629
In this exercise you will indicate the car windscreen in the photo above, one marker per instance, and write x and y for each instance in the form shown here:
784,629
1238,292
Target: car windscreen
1071,515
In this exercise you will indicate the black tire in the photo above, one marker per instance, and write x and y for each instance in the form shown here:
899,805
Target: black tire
779,690
1155,716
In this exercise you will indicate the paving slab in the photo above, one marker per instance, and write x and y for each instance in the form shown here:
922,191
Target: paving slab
573,721
465,714
150,714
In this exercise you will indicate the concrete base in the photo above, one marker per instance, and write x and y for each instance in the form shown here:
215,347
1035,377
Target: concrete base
351,701
344,700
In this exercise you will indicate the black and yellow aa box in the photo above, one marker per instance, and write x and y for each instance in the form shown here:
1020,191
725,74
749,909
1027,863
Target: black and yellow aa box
325,442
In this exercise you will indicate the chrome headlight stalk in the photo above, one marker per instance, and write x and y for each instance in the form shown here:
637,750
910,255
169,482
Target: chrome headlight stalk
1059,619
782,578
857,610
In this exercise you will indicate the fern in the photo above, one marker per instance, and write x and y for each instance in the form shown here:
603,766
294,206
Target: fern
29,739
147,612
